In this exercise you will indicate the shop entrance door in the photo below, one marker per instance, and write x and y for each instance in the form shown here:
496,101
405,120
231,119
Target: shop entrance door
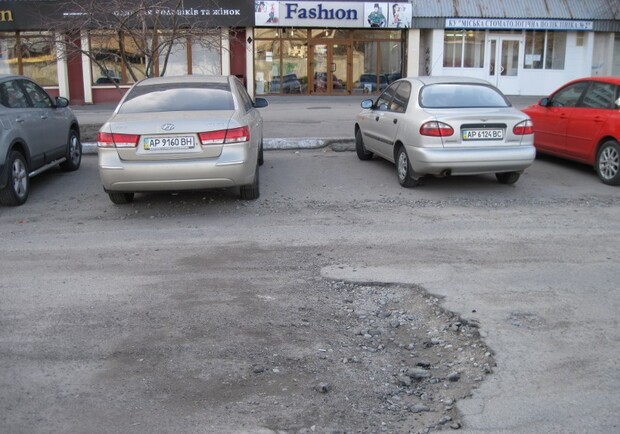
503,63
329,68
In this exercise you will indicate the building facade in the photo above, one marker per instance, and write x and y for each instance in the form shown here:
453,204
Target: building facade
92,52
525,47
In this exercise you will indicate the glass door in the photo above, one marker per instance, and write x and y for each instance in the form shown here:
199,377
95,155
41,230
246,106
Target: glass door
503,66
329,69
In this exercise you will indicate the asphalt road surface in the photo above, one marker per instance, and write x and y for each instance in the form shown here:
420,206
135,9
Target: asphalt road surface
336,302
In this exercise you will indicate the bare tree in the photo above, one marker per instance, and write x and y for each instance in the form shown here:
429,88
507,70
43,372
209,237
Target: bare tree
138,35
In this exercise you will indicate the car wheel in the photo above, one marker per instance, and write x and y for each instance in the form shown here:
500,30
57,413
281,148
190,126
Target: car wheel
608,163
403,169
362,153
120,198
508,177
252,191
261,157
18,186
74,152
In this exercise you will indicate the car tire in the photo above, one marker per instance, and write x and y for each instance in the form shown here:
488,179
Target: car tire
252,191
120,198
74,152
508,177
608,163
261,156
18,186
360,149
406,177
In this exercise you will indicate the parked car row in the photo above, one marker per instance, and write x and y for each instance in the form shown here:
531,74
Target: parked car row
461,126
199,132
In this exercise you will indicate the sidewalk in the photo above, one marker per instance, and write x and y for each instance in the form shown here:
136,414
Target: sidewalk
297,122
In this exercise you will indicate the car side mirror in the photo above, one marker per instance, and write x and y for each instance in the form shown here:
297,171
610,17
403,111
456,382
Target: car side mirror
260,103
545,102
62,102
367,104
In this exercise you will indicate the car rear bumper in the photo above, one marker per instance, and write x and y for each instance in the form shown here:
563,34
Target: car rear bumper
234,167
461,161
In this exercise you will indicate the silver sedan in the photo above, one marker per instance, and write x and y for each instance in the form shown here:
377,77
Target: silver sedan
182,133
445,126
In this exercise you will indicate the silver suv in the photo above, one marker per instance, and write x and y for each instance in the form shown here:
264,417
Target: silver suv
36,134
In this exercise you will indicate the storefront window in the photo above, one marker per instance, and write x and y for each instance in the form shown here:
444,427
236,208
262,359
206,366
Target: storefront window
267,64
9,62
173,57
204,50
326,61
30,54
474,49
390,64
294,68
452,47
206,57
556,50
544,48
534,50
615,70
265,33
463,49
376,34
365,67
107,66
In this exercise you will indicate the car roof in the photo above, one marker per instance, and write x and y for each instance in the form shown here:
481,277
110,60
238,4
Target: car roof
447,79
606,79
184,79
11,76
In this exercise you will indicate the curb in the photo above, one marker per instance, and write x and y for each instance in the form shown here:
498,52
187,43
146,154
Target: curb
337,144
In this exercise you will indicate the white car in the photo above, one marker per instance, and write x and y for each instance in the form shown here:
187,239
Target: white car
445,126
182,133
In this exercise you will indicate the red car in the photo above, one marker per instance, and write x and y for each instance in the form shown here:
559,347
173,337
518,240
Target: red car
581,121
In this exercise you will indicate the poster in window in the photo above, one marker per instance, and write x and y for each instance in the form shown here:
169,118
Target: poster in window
400,15
266,12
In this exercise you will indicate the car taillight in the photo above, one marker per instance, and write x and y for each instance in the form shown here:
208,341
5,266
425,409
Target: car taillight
523,128
234,135
238,135
111,140
436,129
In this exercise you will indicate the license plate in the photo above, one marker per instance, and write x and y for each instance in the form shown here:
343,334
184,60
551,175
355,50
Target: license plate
486,134
174,143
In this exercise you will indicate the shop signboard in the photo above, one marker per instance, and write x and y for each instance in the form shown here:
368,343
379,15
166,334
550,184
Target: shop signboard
31,15
42,15
517,24
331,14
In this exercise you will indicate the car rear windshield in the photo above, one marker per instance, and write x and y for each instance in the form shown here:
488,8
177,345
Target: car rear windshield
178,97
458,95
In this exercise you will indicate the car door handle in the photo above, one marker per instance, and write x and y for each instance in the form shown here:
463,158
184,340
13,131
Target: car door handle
43,116
20,120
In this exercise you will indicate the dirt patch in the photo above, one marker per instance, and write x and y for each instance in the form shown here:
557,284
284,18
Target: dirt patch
394,361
